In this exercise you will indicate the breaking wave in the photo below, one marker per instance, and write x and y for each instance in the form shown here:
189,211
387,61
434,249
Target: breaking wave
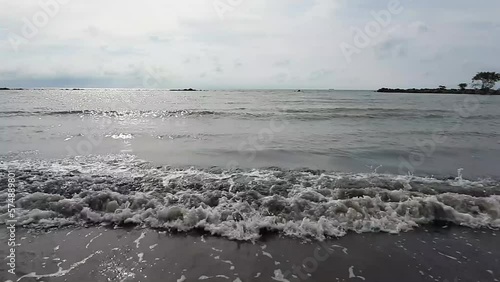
239,204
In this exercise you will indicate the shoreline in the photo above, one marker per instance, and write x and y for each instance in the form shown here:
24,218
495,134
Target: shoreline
103,254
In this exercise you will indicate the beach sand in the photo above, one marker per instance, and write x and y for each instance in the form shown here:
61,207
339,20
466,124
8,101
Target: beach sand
104,254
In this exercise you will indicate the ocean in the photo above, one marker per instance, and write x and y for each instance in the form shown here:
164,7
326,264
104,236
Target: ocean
240,165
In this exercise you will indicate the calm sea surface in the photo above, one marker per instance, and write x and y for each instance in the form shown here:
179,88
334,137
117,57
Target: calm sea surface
348,131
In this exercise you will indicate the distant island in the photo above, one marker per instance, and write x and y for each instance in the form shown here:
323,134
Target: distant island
482,84
185,89
440,91
5,88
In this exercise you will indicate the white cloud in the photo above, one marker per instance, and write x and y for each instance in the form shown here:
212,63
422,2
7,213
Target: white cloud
90,42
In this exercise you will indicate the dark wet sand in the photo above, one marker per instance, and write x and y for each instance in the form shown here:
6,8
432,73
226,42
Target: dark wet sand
103,254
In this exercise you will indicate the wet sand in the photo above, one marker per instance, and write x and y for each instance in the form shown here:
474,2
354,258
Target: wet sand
103,254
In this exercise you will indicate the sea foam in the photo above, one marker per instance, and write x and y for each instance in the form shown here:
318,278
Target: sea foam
240,204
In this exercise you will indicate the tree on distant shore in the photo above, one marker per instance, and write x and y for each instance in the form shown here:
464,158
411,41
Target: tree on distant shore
487,80
462,86
442,87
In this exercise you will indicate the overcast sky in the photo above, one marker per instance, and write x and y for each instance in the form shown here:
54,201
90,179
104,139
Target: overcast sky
227,44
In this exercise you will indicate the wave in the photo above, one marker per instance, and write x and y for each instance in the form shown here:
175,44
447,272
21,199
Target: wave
240,204
345,109
109,113
244,113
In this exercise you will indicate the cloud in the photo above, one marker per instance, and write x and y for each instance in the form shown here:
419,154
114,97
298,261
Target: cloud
258,44
282,63
419,27
394,47
321,74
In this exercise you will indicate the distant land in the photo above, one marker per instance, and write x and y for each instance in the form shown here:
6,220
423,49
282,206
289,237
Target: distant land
185,89
5,88
441,91
482,84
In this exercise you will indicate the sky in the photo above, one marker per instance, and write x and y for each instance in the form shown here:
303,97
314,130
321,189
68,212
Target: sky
247,44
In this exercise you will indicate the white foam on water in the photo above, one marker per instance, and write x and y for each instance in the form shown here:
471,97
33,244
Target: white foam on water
344,250
267,254
237,204
60,272
122,136
141,256
492,274
450,257
92,240
138,240
278,276
352,275
227,261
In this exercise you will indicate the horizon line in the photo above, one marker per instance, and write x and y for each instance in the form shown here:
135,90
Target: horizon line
180,89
